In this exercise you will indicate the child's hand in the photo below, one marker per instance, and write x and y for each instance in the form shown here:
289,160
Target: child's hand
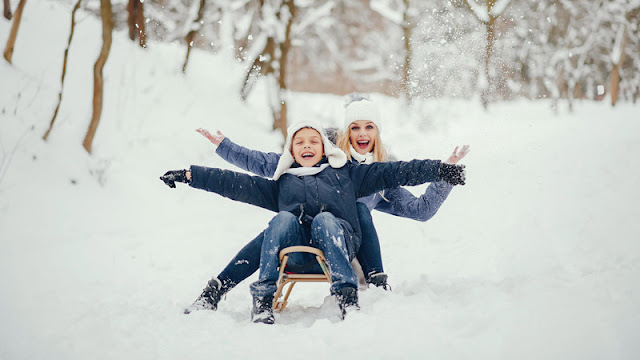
455,157
170,177
215,139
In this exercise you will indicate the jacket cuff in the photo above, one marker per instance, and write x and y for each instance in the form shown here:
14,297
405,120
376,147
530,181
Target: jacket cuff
224,147
197,178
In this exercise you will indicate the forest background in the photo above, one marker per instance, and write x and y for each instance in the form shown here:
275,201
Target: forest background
536,257
494,50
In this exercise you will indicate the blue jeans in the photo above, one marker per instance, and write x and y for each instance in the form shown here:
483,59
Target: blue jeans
369,255
326,233
247,260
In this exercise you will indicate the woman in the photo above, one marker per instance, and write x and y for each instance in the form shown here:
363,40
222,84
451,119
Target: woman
362,143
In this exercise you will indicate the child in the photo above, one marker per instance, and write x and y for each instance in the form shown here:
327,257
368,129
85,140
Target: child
315,191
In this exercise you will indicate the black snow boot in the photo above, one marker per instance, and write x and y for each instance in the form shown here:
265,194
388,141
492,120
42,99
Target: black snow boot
379,280
262,311
209,298
347,300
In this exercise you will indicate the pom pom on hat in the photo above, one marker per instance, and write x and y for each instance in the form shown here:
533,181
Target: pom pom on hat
358,107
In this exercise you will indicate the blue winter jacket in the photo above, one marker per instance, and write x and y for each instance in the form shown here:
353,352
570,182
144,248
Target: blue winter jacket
332,190
395,201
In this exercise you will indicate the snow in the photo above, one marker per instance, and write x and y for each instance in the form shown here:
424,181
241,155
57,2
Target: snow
536,257
499,7
618,46
479,10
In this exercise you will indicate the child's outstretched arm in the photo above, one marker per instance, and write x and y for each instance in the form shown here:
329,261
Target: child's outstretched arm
249,189
256,162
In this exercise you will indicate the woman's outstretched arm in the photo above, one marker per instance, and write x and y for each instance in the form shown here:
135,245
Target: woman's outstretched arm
257,162
401,202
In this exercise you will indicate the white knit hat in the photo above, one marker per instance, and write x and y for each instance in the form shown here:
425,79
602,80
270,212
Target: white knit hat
361,108
337,158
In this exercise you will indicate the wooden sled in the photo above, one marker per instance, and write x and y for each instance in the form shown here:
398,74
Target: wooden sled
292,279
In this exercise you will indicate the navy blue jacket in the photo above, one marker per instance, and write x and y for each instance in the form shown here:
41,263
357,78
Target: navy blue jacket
332,190
395,201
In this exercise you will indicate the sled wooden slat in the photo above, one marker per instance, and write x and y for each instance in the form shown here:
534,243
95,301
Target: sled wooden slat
292,279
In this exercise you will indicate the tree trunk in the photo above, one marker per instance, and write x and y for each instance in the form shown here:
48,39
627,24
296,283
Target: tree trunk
280,122
491,36
64,68
272,62
407,30
7,9
8,50
107,27
192,34
136,22
266,56
615,73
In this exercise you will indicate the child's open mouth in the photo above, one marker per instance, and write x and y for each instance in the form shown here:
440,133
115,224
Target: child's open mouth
307,155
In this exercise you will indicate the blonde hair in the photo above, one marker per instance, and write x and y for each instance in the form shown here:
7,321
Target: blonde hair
380,153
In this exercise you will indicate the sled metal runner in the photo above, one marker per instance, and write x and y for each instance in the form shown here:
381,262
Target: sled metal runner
292,278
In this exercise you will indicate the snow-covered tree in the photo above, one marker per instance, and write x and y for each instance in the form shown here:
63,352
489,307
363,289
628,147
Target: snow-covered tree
488,13
571,48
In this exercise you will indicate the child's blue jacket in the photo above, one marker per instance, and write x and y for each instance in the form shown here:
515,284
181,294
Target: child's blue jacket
332,190
395,201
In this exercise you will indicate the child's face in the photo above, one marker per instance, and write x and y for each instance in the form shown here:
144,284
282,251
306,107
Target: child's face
362,134
307,147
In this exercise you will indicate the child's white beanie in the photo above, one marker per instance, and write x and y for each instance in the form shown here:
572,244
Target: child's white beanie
337,158
358,107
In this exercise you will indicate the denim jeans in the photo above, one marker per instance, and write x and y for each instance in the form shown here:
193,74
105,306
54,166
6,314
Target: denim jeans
247,260
369,255
326,233
244,264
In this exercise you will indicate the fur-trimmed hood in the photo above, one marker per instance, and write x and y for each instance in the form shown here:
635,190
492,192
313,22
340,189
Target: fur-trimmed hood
336,157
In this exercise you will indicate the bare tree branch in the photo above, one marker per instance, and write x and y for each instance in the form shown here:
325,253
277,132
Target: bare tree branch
64,68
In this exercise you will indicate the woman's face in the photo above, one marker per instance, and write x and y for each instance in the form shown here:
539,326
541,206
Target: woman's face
362,134
307,147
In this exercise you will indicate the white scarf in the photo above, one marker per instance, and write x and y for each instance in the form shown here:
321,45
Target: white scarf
361,159
304,171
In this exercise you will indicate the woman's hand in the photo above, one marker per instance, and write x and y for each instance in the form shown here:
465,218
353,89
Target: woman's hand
457,156
215,139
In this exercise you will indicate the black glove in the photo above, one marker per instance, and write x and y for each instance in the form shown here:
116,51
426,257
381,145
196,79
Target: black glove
453,174
170,177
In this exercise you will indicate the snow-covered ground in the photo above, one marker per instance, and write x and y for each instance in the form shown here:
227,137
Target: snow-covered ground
537,257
